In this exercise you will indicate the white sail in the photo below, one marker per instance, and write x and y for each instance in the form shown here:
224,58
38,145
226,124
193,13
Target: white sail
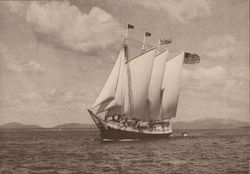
119,93
141,68
114,110
171,86
100,108
108,91
121,103
127,98
155,86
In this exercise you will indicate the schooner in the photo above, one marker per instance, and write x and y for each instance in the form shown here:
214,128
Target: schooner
140,96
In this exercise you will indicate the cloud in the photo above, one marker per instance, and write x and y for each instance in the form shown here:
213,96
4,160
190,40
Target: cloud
205,78
240,72
220,46
58,95
67,26
217,83
28,66
16,7
29,95
181,10
214,92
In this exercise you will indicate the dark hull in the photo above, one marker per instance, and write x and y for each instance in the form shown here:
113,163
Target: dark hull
107,132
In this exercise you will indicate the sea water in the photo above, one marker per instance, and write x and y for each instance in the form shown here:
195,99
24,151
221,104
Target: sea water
81,151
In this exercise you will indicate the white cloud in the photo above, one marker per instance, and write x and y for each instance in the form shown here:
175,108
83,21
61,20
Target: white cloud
220,46
181,10
27,66
206,77
29,95
217,83
240,72
214,92
64,96
66,25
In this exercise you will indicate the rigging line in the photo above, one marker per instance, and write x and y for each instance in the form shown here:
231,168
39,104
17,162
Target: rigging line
141,54
138,47
138,42
133,38
129,43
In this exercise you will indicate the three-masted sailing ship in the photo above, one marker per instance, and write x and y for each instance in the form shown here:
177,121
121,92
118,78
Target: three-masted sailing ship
140,96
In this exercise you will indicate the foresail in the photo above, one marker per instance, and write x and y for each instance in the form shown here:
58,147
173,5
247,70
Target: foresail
155,85
119,93
141,68
170,86
108,91
114,110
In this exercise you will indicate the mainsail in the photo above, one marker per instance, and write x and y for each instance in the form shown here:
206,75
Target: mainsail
170,87
141,68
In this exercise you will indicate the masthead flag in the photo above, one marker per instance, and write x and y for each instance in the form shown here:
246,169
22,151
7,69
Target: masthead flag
130,26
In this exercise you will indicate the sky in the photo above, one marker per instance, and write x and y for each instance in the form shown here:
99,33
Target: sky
56,55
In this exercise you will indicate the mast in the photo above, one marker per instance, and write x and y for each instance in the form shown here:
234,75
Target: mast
126,36
130,92
143,43
158,47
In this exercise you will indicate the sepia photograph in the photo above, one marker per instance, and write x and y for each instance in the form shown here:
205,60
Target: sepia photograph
124,87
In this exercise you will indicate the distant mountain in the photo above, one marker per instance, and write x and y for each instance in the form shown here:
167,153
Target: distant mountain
210,123
15,125
74,126
206,123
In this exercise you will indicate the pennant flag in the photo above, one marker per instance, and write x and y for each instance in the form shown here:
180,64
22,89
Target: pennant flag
147,34
165,41
130,26
191,58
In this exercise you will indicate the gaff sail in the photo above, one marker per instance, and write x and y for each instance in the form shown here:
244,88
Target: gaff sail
171,87
155,85
141,68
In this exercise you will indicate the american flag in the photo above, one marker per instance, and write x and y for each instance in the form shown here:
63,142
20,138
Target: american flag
165,41
190,58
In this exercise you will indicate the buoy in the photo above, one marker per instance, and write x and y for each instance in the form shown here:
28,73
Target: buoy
184,134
